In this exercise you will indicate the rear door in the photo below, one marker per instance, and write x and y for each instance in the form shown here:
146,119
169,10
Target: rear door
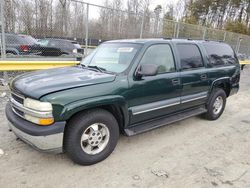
194,78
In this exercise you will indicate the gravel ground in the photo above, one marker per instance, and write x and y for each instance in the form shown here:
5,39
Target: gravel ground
191,153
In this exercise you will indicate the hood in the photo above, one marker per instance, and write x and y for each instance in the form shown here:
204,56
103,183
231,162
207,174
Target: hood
39,83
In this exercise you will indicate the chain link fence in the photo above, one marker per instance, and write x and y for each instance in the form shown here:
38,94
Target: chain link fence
69,28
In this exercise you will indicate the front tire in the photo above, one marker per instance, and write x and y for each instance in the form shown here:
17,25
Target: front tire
91,136
216,104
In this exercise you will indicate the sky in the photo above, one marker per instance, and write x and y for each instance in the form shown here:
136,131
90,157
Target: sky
93,11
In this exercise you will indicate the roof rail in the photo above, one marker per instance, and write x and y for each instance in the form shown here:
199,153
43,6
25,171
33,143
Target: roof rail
167,38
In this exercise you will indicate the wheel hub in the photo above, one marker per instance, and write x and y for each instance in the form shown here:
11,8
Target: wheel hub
218,104
95,138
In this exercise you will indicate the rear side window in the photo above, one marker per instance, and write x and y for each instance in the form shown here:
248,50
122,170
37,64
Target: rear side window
190,56
161,55
220,54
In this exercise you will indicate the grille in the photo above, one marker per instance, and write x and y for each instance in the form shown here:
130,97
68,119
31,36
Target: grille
81,51
18,112
17,98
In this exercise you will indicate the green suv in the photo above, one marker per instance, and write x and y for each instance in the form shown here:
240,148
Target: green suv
124,86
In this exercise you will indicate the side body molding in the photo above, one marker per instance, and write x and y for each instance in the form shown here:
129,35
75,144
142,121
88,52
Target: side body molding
154,106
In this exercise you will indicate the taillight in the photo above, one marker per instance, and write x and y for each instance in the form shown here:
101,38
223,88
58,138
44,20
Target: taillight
24,48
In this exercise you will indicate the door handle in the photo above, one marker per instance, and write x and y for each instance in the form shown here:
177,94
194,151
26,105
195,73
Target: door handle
203,77
176,81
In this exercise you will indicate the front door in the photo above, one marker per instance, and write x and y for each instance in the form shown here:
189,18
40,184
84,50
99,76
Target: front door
155,96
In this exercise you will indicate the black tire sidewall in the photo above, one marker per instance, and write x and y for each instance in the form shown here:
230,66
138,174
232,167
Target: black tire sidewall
215,93
76,128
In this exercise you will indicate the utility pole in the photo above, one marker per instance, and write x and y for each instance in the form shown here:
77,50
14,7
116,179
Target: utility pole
2,25
3,44
142,24
87,29
238,45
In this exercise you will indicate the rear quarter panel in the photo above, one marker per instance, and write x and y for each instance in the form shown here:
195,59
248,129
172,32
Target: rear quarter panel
221,74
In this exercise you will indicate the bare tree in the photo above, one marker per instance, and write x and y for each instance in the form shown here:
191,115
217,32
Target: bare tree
157,11
64,15
10,15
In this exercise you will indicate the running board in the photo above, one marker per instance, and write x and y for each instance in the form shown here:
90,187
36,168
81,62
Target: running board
149,125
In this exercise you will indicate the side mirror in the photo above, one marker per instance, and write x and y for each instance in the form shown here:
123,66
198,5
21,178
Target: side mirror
147,70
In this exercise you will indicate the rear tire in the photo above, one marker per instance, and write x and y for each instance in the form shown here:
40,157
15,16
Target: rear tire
216,104
91,136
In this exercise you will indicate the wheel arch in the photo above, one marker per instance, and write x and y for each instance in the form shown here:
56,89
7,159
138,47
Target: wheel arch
116,105
222,83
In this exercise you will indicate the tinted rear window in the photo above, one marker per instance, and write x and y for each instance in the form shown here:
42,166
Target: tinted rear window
190,56
220,54
26,39
12,39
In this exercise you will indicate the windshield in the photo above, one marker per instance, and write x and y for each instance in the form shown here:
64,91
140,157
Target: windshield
114,57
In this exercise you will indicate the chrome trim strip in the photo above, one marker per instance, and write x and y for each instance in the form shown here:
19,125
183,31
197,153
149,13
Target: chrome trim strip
157,108
167,103
29,111
193,97
189,100
155,105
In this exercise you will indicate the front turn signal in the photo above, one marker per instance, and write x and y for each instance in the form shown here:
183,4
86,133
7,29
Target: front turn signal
47,121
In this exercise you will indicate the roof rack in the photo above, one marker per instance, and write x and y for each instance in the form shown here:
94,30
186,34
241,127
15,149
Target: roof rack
167,38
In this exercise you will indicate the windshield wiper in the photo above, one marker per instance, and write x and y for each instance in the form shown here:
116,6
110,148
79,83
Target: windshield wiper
100,69
81,65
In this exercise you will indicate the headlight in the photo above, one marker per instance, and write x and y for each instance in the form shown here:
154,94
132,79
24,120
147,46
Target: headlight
37,105
75,51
